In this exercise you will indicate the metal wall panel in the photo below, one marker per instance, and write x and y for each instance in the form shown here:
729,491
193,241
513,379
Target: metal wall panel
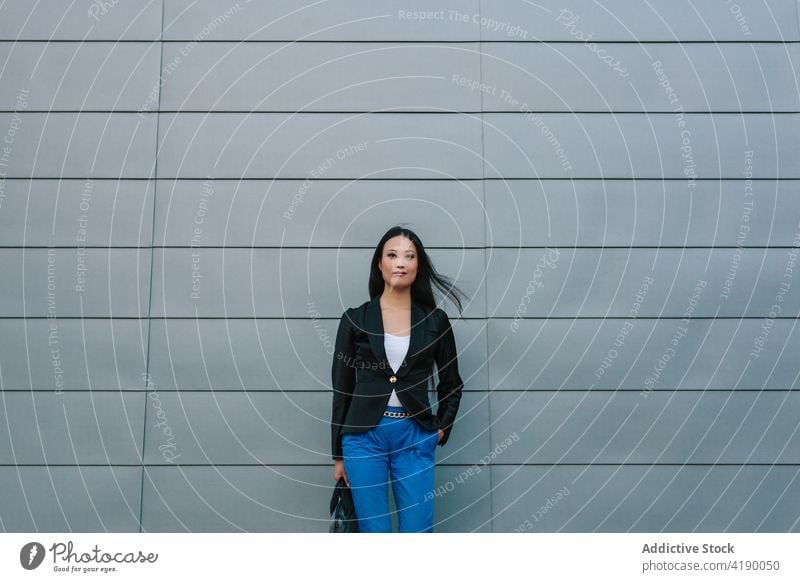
609,282
54,354
633,77
645,498
224,76
76,213
79,20
635,145
77,76
642,354
75,282
643,213
71,499
81,145
73,428
324,145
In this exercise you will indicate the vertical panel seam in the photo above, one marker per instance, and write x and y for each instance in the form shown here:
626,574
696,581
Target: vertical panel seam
160,41
485,265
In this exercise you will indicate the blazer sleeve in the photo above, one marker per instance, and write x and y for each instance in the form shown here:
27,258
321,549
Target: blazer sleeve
450,385
343,377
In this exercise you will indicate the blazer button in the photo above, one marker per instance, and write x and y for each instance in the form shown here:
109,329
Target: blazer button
393,379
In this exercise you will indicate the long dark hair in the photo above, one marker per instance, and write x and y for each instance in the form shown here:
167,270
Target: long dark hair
421,289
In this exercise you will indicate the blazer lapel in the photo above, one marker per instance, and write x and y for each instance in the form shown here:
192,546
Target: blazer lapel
375,333
374,325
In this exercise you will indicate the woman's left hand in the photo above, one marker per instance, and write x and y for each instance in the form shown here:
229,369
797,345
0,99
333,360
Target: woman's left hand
441,435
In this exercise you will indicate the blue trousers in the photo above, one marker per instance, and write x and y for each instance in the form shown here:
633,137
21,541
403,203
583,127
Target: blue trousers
400,451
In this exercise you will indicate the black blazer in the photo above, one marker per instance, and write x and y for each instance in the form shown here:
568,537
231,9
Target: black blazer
362,378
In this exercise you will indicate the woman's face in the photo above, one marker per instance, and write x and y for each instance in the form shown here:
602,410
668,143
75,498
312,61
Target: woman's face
399,262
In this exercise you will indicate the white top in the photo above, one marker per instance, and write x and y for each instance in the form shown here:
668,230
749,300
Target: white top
396,347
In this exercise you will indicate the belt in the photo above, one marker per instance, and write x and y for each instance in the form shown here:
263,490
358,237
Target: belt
393,414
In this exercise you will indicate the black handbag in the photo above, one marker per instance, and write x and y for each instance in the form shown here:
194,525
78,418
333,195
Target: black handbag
343,512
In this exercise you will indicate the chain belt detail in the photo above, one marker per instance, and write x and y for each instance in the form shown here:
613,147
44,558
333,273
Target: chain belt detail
393,414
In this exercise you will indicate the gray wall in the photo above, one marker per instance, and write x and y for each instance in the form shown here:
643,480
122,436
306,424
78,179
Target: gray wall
172,284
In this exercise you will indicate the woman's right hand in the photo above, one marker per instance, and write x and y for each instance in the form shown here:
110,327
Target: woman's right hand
339,472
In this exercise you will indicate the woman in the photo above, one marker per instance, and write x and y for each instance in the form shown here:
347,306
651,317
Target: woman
382,426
